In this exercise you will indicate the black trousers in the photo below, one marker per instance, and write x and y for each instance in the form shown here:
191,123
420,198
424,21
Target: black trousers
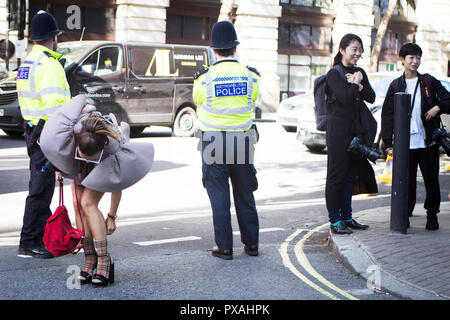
41,188
428,161
340,164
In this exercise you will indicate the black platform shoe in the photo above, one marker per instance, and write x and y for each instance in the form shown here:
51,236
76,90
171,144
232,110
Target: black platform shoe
99,280
85,277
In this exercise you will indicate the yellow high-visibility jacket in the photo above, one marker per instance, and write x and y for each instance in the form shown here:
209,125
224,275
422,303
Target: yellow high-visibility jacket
41,84
225,94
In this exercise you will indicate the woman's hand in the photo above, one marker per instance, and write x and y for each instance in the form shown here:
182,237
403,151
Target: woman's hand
432,113
350,77
357,77
58,176
110,226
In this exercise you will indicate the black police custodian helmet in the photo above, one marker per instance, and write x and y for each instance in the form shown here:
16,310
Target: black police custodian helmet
223,36
43,26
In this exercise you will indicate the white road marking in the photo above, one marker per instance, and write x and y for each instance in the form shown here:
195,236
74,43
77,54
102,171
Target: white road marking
13,159
9,241
154,242
262,230
20,151
14,168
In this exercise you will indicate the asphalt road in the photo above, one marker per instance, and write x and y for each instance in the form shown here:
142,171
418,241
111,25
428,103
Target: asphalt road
162,245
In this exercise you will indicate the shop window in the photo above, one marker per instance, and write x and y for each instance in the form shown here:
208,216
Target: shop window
297,73
192,27
189,29
96,23
386,67
392,41
304,36
300,36
308,3
321,38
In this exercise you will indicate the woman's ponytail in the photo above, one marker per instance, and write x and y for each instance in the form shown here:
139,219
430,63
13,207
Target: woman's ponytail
337,59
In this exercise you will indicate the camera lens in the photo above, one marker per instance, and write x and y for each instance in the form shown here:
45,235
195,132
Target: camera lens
357,147
440,135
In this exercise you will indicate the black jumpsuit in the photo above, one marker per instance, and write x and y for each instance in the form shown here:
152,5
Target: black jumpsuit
341,128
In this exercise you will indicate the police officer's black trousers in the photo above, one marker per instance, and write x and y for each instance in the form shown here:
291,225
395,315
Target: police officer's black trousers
41,188
216,178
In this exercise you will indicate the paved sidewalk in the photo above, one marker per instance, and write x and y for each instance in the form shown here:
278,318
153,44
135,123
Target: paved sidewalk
415,265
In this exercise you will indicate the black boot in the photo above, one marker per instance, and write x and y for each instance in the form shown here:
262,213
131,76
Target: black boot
432,221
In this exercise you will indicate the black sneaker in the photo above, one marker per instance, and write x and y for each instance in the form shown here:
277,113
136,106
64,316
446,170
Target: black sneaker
39,252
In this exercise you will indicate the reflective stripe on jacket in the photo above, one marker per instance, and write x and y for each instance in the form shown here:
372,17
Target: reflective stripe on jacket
41,84
225,97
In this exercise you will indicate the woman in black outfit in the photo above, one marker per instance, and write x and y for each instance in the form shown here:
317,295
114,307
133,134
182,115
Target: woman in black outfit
347,86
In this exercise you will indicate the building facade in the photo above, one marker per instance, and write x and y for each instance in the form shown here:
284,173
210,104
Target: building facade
291,42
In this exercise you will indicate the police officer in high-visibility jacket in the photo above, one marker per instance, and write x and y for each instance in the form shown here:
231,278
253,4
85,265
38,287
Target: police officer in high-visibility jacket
41,87
225,94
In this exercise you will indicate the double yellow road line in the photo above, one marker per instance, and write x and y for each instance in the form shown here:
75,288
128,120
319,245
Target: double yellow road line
304,262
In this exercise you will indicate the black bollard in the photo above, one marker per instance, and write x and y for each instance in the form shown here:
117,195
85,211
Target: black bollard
258,113
399,197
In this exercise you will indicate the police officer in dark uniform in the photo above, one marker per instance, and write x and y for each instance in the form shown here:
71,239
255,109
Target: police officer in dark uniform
41,87
225,94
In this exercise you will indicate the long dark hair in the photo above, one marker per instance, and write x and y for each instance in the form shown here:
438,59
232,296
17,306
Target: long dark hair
345,42
94,134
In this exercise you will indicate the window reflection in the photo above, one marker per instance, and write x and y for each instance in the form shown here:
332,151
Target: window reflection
309,3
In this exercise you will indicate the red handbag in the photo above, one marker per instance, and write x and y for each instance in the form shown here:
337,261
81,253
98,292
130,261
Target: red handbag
60,238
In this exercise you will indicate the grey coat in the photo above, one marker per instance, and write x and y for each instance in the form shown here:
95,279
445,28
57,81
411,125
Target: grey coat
123,163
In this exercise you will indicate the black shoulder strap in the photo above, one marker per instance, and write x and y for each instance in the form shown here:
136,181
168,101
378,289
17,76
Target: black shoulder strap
200,72
254,70
62,61
341,71
424,80
48,54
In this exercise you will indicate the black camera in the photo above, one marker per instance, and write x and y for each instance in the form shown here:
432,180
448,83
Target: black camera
357,147
440,135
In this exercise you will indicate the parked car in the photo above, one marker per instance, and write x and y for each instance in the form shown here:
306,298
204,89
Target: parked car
11,120
290,109
141,84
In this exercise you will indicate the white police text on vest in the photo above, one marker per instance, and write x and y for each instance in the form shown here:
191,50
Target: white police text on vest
231,89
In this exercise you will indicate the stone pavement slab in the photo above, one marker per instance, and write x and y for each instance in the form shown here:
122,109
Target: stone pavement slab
415,265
